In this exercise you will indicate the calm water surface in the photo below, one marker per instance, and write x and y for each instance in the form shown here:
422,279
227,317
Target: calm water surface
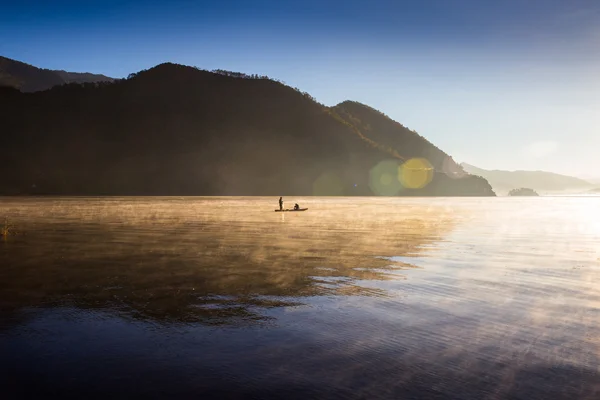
356,298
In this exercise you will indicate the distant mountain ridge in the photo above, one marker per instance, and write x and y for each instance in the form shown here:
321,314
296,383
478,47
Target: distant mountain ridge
178,130
504,181
28,78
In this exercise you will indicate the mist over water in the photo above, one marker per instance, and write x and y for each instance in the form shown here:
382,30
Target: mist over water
463,298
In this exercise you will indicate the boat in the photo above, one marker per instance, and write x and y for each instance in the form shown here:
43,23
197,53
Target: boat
291,210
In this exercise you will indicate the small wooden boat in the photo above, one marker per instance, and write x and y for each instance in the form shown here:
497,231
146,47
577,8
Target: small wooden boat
291,210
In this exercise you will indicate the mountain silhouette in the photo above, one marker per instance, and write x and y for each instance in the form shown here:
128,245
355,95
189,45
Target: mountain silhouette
28,78
178,130
504,181
391,134
523,192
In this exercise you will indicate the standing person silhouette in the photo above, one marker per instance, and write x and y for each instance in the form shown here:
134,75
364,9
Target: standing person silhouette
281,204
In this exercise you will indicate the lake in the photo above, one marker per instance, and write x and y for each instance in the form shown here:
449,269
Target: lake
356,298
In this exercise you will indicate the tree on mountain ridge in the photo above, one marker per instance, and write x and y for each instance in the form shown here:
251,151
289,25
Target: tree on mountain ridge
179,130
28,78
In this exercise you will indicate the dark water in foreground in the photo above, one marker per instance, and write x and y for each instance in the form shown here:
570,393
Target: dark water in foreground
354,299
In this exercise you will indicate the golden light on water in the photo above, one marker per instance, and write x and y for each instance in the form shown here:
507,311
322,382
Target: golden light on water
415,173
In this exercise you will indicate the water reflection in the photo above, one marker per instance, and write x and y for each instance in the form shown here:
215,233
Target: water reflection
358,298
215,261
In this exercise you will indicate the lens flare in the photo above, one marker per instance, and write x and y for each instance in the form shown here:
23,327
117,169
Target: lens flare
415,173
383,178
386,179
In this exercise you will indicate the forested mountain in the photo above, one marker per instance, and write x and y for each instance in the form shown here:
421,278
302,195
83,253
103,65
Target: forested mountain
504,181
28,78
177,130
523,192
391,134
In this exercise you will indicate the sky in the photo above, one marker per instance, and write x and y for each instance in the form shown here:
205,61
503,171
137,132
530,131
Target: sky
500,84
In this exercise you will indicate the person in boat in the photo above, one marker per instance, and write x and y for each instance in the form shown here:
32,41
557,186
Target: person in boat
296,206
281,203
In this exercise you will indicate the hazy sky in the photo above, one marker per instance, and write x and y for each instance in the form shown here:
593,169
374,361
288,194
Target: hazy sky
507,84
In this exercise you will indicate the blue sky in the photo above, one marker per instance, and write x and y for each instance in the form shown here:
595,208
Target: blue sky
511,84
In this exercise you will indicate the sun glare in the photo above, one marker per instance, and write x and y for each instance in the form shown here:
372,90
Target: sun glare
415,173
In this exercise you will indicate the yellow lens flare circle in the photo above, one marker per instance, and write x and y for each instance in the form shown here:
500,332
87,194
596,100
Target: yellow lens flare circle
415,173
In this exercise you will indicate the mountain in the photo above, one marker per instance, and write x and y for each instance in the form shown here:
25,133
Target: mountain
177,130
523,192
504,181
393,135
28,78
593,180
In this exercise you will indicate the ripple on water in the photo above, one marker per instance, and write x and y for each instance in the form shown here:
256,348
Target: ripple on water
358,298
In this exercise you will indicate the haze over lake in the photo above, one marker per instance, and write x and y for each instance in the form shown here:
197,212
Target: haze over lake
355,298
